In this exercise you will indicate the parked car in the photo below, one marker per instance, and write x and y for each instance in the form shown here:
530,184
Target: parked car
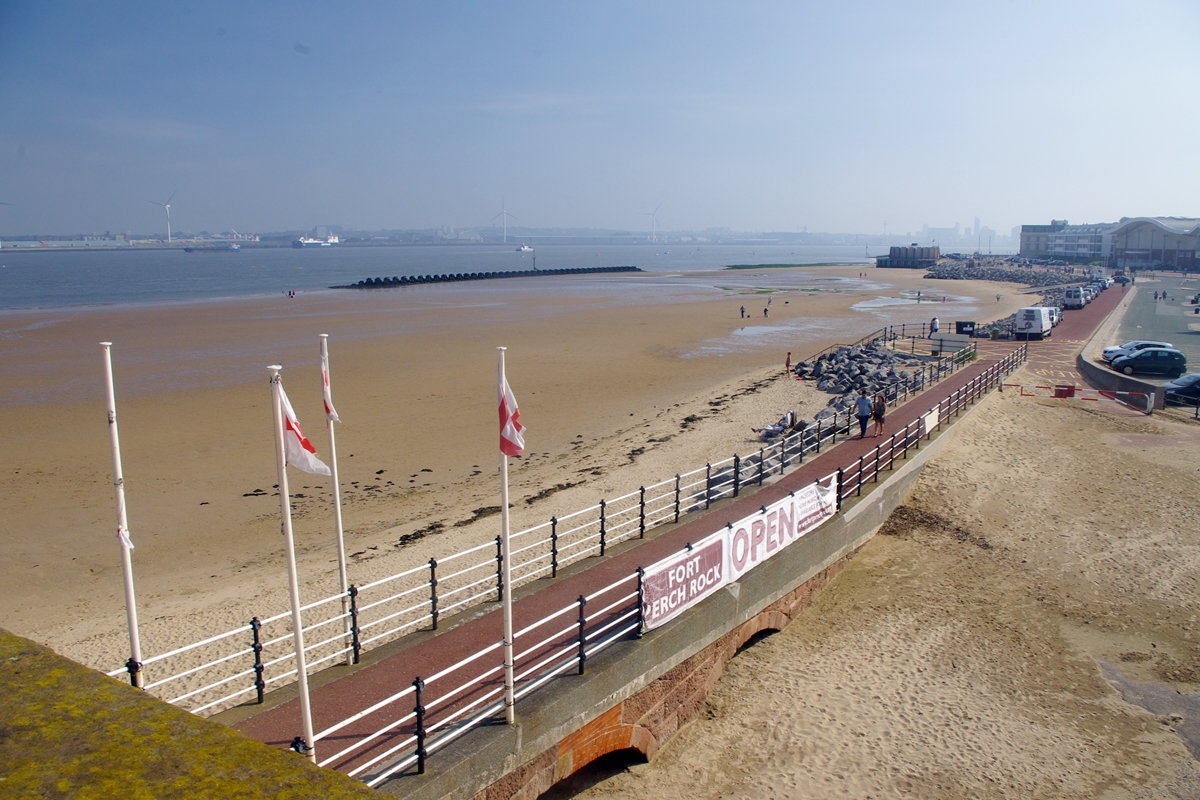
1122,279
1130,348
1152,361
1055,316
1184,391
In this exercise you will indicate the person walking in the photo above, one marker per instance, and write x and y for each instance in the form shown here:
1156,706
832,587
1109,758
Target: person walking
862,410
764,312
787,363
933,327
879,414
743,312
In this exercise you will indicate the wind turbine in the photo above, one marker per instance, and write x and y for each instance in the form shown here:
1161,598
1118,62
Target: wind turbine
4,204
167,207
503,213
653,215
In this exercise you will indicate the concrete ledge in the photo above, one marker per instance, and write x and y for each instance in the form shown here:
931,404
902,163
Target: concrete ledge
637,693
1105,378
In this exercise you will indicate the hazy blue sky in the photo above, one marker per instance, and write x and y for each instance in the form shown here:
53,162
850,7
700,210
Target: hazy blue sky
753,116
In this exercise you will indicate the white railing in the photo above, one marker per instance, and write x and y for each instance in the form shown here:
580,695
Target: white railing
246,662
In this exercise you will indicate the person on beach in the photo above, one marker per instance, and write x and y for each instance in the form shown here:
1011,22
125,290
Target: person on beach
787,363
764,312
862,410
997,298
933,327
878,413
743,312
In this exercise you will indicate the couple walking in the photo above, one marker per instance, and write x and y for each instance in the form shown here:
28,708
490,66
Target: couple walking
865,411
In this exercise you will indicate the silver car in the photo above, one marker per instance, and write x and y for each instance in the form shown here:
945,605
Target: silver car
1129,348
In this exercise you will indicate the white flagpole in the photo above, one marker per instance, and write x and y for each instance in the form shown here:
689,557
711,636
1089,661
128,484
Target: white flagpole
337,508
285,509
506,577
134,665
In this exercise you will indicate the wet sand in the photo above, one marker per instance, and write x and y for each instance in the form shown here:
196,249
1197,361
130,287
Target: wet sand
607,371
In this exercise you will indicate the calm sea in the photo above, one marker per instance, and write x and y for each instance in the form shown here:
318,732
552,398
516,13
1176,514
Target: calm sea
56,279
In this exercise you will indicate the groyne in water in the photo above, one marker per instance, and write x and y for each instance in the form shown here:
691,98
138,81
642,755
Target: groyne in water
409,280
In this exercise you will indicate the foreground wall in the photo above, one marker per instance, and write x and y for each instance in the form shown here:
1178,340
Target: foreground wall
637,693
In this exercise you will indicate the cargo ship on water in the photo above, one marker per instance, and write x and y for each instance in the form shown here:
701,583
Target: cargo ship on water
218,248
304,241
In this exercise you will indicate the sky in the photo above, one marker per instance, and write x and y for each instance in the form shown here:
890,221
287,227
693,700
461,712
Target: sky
757,116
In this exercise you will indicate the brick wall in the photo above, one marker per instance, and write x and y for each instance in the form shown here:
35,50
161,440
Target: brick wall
646,720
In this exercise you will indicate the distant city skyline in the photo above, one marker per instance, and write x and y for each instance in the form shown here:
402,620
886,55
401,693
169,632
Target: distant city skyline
867,117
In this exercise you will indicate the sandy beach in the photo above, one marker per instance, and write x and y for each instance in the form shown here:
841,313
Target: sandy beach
980,647
606,372
1023,627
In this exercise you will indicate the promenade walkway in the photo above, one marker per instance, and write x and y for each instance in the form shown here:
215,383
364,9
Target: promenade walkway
430,653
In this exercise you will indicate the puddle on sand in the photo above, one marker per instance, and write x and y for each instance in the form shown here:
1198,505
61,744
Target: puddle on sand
1162,701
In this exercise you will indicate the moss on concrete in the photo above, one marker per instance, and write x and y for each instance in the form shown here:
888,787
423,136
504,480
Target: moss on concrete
68,731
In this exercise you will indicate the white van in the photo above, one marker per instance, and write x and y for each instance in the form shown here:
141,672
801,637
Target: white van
1074,298
1033,323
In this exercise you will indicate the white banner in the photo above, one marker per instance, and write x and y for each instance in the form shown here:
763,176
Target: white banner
684,579
758,537
679,582
929,421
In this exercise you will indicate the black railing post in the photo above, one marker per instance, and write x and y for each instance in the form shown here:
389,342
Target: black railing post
818,435
641,512
582,635
134,668
841,476
737,474
355,644
641,601
833,440
708,486
783,453
875,477
677,496
499,570
762,465
259,684
554,547
419,710
858,488
433,609
603,524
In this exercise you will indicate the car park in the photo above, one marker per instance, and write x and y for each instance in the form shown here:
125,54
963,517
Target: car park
1184,391
1131,347
1152,361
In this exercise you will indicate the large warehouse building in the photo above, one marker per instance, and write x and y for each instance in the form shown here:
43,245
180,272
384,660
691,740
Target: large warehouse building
1135,242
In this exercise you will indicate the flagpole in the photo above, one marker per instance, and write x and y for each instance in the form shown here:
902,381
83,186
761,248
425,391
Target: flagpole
285,509
134,665
506,576
337,503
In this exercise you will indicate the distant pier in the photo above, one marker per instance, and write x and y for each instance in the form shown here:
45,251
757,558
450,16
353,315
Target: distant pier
410,280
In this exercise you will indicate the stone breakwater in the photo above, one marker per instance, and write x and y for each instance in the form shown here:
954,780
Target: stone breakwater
849,370
1029,277
411,280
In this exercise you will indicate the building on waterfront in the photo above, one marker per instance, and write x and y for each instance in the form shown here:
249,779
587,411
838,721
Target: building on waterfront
1035,239
1134,242
912,257
1139,242
1081,244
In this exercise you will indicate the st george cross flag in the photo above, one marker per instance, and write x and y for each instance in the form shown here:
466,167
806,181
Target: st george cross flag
512,439
330,411
297,448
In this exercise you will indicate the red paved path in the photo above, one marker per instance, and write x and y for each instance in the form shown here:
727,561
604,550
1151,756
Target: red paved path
358,690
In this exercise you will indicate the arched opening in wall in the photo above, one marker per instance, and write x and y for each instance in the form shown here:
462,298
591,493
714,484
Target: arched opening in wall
755,639
598,771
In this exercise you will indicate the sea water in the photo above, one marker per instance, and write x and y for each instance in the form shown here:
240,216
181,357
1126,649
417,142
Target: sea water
57,279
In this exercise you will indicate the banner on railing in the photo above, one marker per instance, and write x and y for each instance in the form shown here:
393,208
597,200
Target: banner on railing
759,536
929,421
681,581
